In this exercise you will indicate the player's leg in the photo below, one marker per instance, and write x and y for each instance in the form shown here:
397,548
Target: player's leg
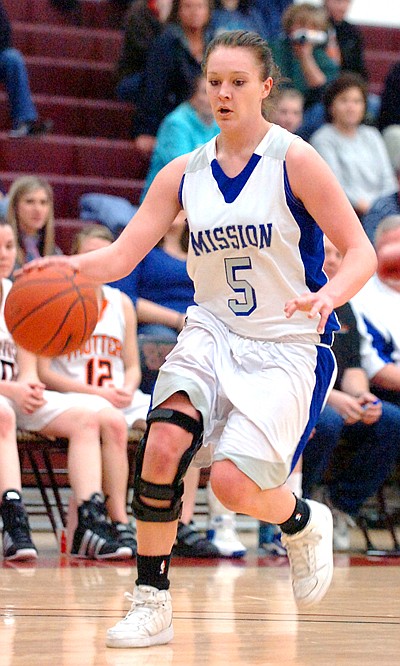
94,537
172,438
259,447
114,451
189,542
17,541
305,524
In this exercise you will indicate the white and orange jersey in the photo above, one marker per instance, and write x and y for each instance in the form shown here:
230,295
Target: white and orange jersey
8,350
99,361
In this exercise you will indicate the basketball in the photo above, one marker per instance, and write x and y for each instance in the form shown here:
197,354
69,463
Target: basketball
389,261
51,311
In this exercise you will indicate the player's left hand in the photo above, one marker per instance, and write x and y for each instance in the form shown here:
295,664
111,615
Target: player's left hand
315,304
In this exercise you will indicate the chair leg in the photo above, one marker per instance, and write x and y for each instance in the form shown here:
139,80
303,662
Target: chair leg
54,487
387,517
42,489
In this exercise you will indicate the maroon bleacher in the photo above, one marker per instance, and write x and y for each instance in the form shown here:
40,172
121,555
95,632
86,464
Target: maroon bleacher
71,59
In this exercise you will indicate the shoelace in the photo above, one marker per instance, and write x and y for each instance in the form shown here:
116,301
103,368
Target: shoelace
143,607
302,557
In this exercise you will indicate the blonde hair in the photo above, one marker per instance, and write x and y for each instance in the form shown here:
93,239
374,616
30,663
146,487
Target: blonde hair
306,15
90,231
19,188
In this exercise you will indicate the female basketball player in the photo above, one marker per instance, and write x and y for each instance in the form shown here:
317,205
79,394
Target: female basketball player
253,365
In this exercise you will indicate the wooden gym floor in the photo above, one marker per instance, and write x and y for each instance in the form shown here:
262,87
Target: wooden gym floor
56,612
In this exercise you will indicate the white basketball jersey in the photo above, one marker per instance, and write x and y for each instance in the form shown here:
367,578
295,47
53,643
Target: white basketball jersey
8,350
99,361
253,245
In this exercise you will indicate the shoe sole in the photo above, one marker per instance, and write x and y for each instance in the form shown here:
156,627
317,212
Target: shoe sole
159,639
236,554
22,555
122,554
317,595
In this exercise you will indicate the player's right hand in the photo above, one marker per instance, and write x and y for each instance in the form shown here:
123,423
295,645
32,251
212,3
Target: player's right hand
29,397
44,262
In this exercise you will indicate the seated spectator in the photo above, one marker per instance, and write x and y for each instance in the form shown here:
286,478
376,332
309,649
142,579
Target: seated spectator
302,58
144,22
173,63
186,128
30,213
237,15
378,303
25,403
355,415
346,47
355,152
107,365
161,306
14,75
288,109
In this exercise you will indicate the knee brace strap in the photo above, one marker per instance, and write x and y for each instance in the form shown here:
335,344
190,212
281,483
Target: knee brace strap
171,492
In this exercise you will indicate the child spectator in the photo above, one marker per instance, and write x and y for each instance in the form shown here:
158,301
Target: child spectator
30,213
288,109
25,403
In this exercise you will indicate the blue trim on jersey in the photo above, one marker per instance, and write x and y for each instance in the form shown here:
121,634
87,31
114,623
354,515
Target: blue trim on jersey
230,188
311,247
181,190
385,348
324,370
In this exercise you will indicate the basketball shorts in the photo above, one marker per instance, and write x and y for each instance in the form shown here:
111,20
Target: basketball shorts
138,409
57,404
259,400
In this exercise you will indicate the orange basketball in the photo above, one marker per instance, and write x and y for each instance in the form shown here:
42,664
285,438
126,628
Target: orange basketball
51,311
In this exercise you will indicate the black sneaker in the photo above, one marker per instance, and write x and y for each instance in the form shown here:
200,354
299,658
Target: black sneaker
127,535
17,542
95,538
190,543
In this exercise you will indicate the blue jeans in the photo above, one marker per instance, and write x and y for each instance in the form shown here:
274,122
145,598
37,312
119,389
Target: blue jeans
373,452
14,75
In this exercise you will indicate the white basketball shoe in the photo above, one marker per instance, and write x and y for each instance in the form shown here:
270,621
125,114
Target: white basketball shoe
148,622
310,554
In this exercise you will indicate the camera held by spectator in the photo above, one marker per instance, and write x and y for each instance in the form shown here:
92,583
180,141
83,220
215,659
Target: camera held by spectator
315,37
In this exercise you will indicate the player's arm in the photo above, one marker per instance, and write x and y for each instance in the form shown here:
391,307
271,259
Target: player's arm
313,182
55,381
153,313
130,351
149,224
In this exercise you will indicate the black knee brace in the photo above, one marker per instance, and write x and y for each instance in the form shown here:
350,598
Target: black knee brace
171,492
